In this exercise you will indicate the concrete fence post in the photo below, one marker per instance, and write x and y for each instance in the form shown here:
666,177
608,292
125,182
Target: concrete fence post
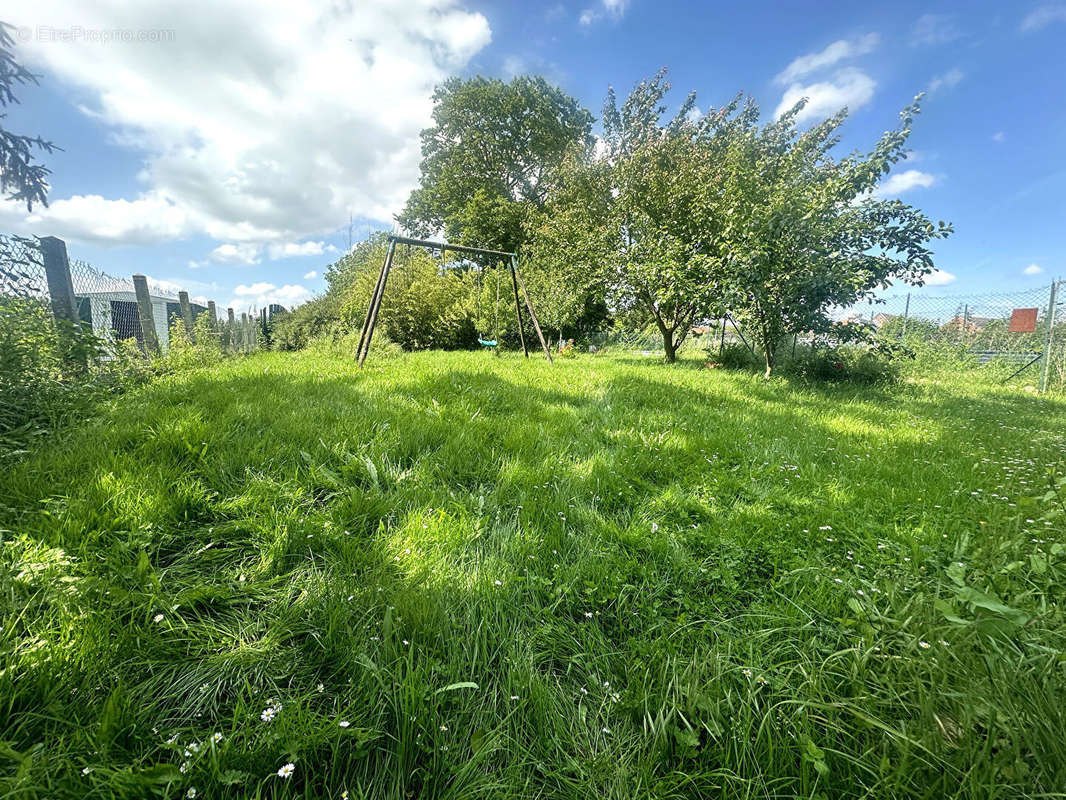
186,315
1051,307
144,313
60,285
244,331
231,327
212,314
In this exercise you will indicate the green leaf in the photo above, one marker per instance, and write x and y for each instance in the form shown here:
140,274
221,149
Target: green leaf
451,687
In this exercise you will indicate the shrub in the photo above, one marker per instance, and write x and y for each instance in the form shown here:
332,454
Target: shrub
855,364
737,356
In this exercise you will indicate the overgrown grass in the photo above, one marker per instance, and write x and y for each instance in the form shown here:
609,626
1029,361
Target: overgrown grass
456,575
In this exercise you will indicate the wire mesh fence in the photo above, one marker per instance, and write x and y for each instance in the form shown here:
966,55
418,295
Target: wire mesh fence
110,305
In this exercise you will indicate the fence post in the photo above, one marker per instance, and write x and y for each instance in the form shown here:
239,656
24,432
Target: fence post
144,313
186,315
60,285
61,294
906,313
1050,335
244,331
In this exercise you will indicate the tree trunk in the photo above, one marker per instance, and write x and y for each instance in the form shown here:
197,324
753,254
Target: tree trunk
669,348
768,352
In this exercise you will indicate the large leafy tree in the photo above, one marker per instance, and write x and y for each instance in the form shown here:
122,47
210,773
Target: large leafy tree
805,233
642,217
488,158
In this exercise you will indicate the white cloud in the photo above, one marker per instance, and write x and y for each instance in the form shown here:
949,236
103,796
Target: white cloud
849,87
262,294
248,110
837,51
904,181
614,9
1033,269
999,136
939,277
242,253
290,249
310,276
1042,17
933,29
948,80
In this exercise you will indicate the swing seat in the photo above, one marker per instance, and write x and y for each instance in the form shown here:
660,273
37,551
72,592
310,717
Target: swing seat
486,342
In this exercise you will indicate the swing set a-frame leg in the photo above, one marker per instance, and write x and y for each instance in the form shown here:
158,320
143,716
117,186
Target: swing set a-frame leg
529,308
371,317
518,308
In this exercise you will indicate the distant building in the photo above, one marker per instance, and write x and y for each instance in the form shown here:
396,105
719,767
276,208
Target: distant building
114,316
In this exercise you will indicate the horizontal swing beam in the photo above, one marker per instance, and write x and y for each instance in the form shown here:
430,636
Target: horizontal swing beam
443,246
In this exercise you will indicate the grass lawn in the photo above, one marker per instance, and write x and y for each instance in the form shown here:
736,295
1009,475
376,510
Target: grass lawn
454,575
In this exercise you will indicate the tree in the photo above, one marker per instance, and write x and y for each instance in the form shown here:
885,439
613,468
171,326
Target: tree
642,218
488,157
805,232
20,178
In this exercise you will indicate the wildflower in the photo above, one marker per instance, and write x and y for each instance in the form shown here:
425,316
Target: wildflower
343,723
216,738
944,642
498,583
184,768
157,618
654,527
344,795
405,642
588,614
286,771
86,770
191,793
268,714
747,673
514,697
825,527
172,739
444,727
321,687
924,645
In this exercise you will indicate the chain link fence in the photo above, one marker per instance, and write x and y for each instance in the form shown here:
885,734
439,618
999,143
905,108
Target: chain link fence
110,305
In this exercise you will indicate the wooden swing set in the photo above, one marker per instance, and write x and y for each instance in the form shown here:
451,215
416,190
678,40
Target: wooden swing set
371,318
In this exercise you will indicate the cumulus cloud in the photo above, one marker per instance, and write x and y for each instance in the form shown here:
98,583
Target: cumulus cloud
849,87
310,276
905,181
1033,269
262,294
243,253
291,249
1043,16
933,29
834,53
948,80
260,121
939,277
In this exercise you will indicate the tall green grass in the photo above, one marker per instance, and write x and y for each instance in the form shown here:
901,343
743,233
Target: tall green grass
456,575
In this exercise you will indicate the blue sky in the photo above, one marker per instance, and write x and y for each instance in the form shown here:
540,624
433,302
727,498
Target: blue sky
221,146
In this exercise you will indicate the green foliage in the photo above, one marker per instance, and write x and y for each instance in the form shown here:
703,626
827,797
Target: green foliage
428,309
857,364
736,356
43,377
488,157
805,232
21,179
599,578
